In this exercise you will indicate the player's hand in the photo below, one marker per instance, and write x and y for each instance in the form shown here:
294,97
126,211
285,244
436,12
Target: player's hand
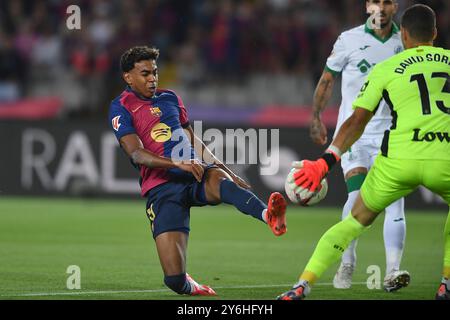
310,173
240,182
318,132
193,166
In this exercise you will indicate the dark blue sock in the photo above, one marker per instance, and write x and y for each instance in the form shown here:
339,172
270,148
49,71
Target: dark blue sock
178,283
243,199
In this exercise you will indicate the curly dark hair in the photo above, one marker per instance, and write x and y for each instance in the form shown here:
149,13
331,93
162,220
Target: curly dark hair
136,54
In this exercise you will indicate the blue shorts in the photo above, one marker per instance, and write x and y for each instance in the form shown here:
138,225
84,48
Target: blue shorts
168,205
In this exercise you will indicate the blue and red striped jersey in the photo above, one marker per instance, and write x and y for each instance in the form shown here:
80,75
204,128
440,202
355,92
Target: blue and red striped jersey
159,123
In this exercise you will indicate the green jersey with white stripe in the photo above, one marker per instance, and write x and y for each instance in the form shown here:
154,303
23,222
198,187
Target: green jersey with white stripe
416,86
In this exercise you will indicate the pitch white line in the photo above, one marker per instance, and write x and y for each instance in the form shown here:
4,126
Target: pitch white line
78,293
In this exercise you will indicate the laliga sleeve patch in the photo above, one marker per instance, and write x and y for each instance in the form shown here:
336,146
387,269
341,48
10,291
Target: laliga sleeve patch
115,123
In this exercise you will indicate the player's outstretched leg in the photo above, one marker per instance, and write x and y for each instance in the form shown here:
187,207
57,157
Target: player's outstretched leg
276,214
220,187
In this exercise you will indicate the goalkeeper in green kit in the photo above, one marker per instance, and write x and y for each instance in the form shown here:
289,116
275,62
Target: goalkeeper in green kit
415,151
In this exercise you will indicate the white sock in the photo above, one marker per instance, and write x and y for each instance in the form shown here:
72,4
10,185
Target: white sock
394,233
349,256
264,215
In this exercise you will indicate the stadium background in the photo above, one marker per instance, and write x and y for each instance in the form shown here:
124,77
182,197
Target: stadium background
236,64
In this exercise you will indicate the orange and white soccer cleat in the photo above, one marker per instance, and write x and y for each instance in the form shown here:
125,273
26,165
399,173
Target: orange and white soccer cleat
443,292
276,214
199,289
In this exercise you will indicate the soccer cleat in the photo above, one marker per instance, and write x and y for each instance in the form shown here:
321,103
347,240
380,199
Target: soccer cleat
298,292
443,292
199,289
276,214
395,280
343,277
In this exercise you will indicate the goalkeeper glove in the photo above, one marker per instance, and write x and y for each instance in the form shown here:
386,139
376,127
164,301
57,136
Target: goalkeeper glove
310,173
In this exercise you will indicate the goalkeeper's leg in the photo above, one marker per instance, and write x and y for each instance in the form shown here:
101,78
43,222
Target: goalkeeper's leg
443,292
444,288
437,179
331,247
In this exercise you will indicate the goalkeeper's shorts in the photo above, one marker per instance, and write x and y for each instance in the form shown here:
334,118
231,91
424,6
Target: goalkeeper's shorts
391,179
168,205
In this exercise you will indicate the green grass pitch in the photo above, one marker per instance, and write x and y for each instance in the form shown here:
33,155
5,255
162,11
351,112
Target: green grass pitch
237,255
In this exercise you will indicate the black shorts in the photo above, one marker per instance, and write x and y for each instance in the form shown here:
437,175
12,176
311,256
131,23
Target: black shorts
168,205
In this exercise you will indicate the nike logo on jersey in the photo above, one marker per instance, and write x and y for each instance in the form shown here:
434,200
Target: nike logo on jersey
137,108
364,48
115,123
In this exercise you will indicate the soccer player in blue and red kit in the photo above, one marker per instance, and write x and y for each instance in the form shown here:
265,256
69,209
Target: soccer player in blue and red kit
153,129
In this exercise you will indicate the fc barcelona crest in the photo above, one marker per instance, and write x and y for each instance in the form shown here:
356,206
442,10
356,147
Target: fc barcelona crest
156,111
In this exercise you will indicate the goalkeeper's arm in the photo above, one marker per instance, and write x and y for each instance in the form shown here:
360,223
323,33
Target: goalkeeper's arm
311,173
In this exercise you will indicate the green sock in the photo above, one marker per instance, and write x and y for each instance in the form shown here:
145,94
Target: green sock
333,244
446,272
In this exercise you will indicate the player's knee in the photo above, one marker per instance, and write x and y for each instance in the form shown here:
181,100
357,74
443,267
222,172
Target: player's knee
215,176
363,215
213,186
177,283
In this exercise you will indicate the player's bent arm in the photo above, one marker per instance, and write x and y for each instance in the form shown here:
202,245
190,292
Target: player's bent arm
207,156
321,98
135,150
201,149
352,129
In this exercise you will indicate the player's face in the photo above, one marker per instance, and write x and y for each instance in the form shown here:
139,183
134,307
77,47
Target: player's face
143,78
388,8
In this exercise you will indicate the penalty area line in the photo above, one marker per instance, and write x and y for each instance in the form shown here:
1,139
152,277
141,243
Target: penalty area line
106,292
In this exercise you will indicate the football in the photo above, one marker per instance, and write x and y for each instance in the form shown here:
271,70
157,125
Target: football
301,196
